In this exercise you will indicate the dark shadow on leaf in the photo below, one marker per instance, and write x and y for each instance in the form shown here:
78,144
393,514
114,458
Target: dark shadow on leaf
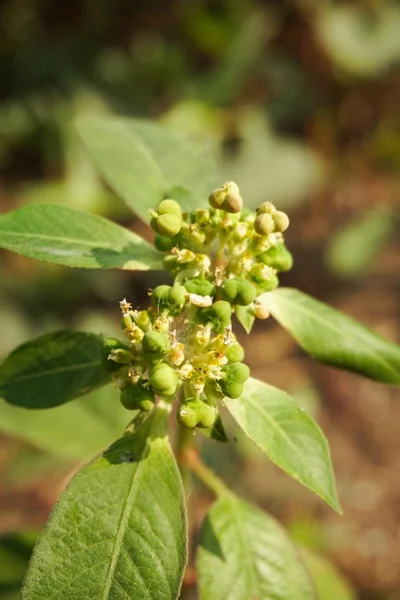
209,540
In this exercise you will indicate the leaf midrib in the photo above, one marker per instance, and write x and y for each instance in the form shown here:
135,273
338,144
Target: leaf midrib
125,513
330,325
64,239
46,372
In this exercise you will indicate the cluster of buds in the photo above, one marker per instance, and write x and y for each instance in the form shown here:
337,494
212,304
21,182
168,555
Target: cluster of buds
221,258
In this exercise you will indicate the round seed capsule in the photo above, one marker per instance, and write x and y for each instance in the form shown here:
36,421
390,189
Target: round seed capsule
164,243
278,257
169,207
217,197
232,389
233,203
229,290
169,224
246,293
177,299
137,397
264,224
218,315
281,221
265,207
163,379
155,345
187,416
237,371
200,286
235,353
160,296
206,415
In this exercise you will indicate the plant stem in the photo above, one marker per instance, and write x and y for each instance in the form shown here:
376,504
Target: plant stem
184,445
193,461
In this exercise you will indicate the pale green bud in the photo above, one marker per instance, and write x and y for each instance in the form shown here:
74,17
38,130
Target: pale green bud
265,207
168,224
246,293
169,207
137,397
155,345
217,197
235,353
281,221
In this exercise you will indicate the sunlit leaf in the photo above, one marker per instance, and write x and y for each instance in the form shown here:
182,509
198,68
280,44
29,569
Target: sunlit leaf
287,435
73,238
332,337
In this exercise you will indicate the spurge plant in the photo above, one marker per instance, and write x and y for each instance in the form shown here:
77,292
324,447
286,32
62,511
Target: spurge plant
119,529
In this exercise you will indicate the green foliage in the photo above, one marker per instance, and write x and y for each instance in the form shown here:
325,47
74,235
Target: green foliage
146,163
124,516
287,435
119,530
76,430
73,238
54,369
334,338
244,553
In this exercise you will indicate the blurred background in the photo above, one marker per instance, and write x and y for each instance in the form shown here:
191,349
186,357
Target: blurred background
300,99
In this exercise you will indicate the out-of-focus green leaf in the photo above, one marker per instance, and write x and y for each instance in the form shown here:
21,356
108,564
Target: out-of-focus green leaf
119,529
145,162
332,337
76,430
328,582
54,368
362,42
270,167
353,248
287,435
244,553
73,238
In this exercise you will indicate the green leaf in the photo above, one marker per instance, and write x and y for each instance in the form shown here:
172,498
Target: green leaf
245,316
145,162
332,337
119,529
73,238
329,582
53,369
244,553
365,237
76,430
287,435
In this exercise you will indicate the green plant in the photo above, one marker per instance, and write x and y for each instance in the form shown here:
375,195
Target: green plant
119,529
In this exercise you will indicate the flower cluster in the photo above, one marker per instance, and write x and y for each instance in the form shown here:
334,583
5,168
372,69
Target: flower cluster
221,258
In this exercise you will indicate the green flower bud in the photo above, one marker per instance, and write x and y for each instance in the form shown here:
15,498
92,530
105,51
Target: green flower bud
264,224
163,379
155,345
200,286
281,221
164,243
278,257
265,207
172,265
235,353
232,389
229,290
217,197
187,416
137,397
169,207
169,225
246,293
218,315
237,372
